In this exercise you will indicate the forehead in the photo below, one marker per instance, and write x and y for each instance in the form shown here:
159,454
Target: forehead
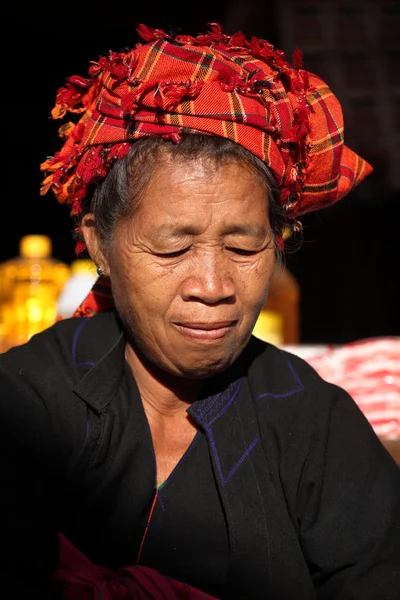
179,187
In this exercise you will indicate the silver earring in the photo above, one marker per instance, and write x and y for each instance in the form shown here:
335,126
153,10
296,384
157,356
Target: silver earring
100,271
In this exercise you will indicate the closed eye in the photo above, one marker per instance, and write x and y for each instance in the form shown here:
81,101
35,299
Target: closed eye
171,254
242,252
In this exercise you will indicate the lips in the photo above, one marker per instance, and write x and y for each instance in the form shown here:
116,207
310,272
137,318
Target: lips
206,332
209,326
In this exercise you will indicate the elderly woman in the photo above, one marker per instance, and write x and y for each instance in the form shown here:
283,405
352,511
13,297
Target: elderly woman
152,447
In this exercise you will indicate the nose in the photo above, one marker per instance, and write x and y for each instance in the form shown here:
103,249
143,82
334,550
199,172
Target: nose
210,279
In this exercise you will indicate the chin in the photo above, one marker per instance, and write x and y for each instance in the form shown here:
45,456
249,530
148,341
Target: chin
203,372
206,367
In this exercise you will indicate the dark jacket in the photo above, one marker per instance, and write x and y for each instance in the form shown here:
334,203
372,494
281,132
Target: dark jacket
311,497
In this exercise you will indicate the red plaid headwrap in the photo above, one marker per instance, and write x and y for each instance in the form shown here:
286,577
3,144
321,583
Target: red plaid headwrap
216,84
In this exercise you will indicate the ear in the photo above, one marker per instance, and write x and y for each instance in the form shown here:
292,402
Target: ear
92,241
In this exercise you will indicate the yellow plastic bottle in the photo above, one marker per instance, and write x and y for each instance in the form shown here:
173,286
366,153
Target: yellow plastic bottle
278,322
30,285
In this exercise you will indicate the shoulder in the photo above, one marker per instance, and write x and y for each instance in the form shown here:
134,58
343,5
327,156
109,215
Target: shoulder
64,349
281,371
44,372
285,385
301,415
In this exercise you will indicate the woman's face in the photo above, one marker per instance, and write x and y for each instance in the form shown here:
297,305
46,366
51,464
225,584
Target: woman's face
190,269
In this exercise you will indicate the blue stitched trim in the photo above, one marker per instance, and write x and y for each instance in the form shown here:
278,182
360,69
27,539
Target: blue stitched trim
224,480
88,362
207,403
216,457
142,522
246,453
223,404
298,388
76,337
161,502
220,402
216,407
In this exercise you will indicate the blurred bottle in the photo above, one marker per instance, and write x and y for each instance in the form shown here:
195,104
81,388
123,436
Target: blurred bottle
278,322
30,285
83,275
269,327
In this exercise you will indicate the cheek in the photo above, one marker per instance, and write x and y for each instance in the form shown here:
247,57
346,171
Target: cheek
253,280
142,287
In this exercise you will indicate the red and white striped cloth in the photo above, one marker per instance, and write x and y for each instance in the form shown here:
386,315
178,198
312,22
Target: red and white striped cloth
369,370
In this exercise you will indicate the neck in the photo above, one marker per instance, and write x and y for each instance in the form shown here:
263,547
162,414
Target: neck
162,393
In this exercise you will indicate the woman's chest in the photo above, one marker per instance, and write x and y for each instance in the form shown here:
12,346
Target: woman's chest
170,444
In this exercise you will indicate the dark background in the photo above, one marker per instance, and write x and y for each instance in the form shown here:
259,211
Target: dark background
346,268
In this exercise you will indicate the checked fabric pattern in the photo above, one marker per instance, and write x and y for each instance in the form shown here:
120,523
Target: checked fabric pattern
240,89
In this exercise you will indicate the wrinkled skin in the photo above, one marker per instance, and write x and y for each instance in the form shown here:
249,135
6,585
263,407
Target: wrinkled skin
190,269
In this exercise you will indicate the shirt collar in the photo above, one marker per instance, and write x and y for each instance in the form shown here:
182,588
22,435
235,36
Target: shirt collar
100,384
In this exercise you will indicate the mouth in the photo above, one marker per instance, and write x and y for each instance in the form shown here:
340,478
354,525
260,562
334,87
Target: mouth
210,331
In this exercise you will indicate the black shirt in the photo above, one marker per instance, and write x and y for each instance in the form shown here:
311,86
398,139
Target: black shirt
187,537
309,497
